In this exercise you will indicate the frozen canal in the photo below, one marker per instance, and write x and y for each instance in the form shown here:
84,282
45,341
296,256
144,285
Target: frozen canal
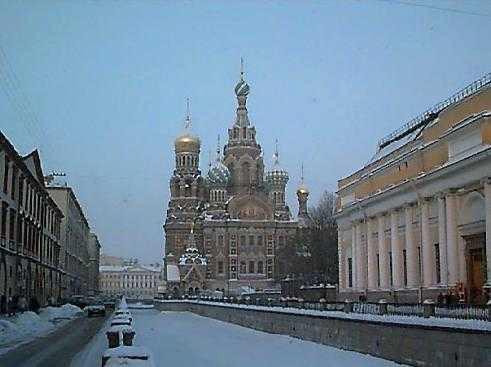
184,339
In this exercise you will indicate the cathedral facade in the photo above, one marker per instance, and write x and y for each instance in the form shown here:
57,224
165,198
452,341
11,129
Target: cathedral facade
225,230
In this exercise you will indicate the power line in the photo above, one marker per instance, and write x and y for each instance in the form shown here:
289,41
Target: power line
439,8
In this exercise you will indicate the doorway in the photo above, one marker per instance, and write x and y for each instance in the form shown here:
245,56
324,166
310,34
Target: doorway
476,268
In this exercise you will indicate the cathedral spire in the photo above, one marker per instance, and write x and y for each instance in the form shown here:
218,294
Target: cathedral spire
242,91
218,157
276,154
187,121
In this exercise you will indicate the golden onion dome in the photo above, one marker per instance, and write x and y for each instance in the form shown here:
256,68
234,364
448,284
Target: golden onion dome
302,189
187,143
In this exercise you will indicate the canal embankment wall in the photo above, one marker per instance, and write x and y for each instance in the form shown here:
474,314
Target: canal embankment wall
406,343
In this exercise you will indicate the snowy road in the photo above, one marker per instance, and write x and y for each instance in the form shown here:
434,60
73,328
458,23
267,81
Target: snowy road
184,339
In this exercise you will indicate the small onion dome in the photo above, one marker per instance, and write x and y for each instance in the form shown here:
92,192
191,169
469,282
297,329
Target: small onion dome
218,175
302,189
187,143
242,88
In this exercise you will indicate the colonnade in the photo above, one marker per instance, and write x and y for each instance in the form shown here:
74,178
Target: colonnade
392,250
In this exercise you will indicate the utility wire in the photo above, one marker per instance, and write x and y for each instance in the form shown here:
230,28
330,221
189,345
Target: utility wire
439,8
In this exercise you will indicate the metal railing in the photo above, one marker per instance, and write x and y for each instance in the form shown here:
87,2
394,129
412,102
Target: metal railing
432,112
454,311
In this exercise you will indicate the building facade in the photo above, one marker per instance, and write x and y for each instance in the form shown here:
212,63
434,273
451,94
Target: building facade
94,251
132,281
234,221
415,222
74,241
29,230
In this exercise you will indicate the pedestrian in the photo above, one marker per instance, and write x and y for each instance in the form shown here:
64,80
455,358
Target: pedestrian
11,307
34,304
22,304
3,304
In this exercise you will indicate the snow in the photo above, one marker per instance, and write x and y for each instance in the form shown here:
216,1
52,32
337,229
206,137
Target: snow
394,319
139,305
188,340
26,326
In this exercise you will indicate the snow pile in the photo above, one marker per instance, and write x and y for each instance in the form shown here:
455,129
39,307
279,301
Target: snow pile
139,305
21,327
27,325
66,311
123,305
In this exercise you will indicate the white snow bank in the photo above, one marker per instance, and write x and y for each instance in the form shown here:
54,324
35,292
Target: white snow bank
139,305
67,311
27,325
394,319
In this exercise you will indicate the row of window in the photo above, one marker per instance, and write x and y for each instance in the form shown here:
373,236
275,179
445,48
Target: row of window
106,284
28,197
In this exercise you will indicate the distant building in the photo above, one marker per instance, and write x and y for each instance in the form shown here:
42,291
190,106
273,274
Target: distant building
111,260
29,229
415,222
75,230
94,259
132,281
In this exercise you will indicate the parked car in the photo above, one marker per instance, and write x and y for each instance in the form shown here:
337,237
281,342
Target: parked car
96,310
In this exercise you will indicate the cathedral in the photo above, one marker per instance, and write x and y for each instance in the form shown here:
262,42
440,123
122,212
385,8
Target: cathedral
225,230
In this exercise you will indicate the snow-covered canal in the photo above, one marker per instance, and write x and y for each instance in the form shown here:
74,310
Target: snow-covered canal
184,339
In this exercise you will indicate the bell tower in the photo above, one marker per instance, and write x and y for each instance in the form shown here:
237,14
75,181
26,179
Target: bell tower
242,153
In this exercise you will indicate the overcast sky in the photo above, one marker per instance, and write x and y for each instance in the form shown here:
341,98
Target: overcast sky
99,88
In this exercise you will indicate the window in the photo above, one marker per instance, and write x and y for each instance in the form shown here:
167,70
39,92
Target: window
251,240
437,263
405,266
260,269
6,175
259,240
12,224
3,230
242,240
251,267
220,240
243,269
350,272
220,267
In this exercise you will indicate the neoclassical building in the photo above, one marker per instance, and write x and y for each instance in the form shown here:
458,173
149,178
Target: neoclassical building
237,213
415,222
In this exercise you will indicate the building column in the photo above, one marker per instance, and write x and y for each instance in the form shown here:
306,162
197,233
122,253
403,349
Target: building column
411,250
442,240
341,261
383,254
426,245
396,251
360,259
452,240
372,256
487,194
354,257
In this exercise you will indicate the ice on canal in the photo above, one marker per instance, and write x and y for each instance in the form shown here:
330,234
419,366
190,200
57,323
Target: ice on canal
185,339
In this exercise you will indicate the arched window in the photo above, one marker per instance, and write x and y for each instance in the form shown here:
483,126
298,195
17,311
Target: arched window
243,269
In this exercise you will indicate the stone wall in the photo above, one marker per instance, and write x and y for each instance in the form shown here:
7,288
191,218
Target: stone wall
408,344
